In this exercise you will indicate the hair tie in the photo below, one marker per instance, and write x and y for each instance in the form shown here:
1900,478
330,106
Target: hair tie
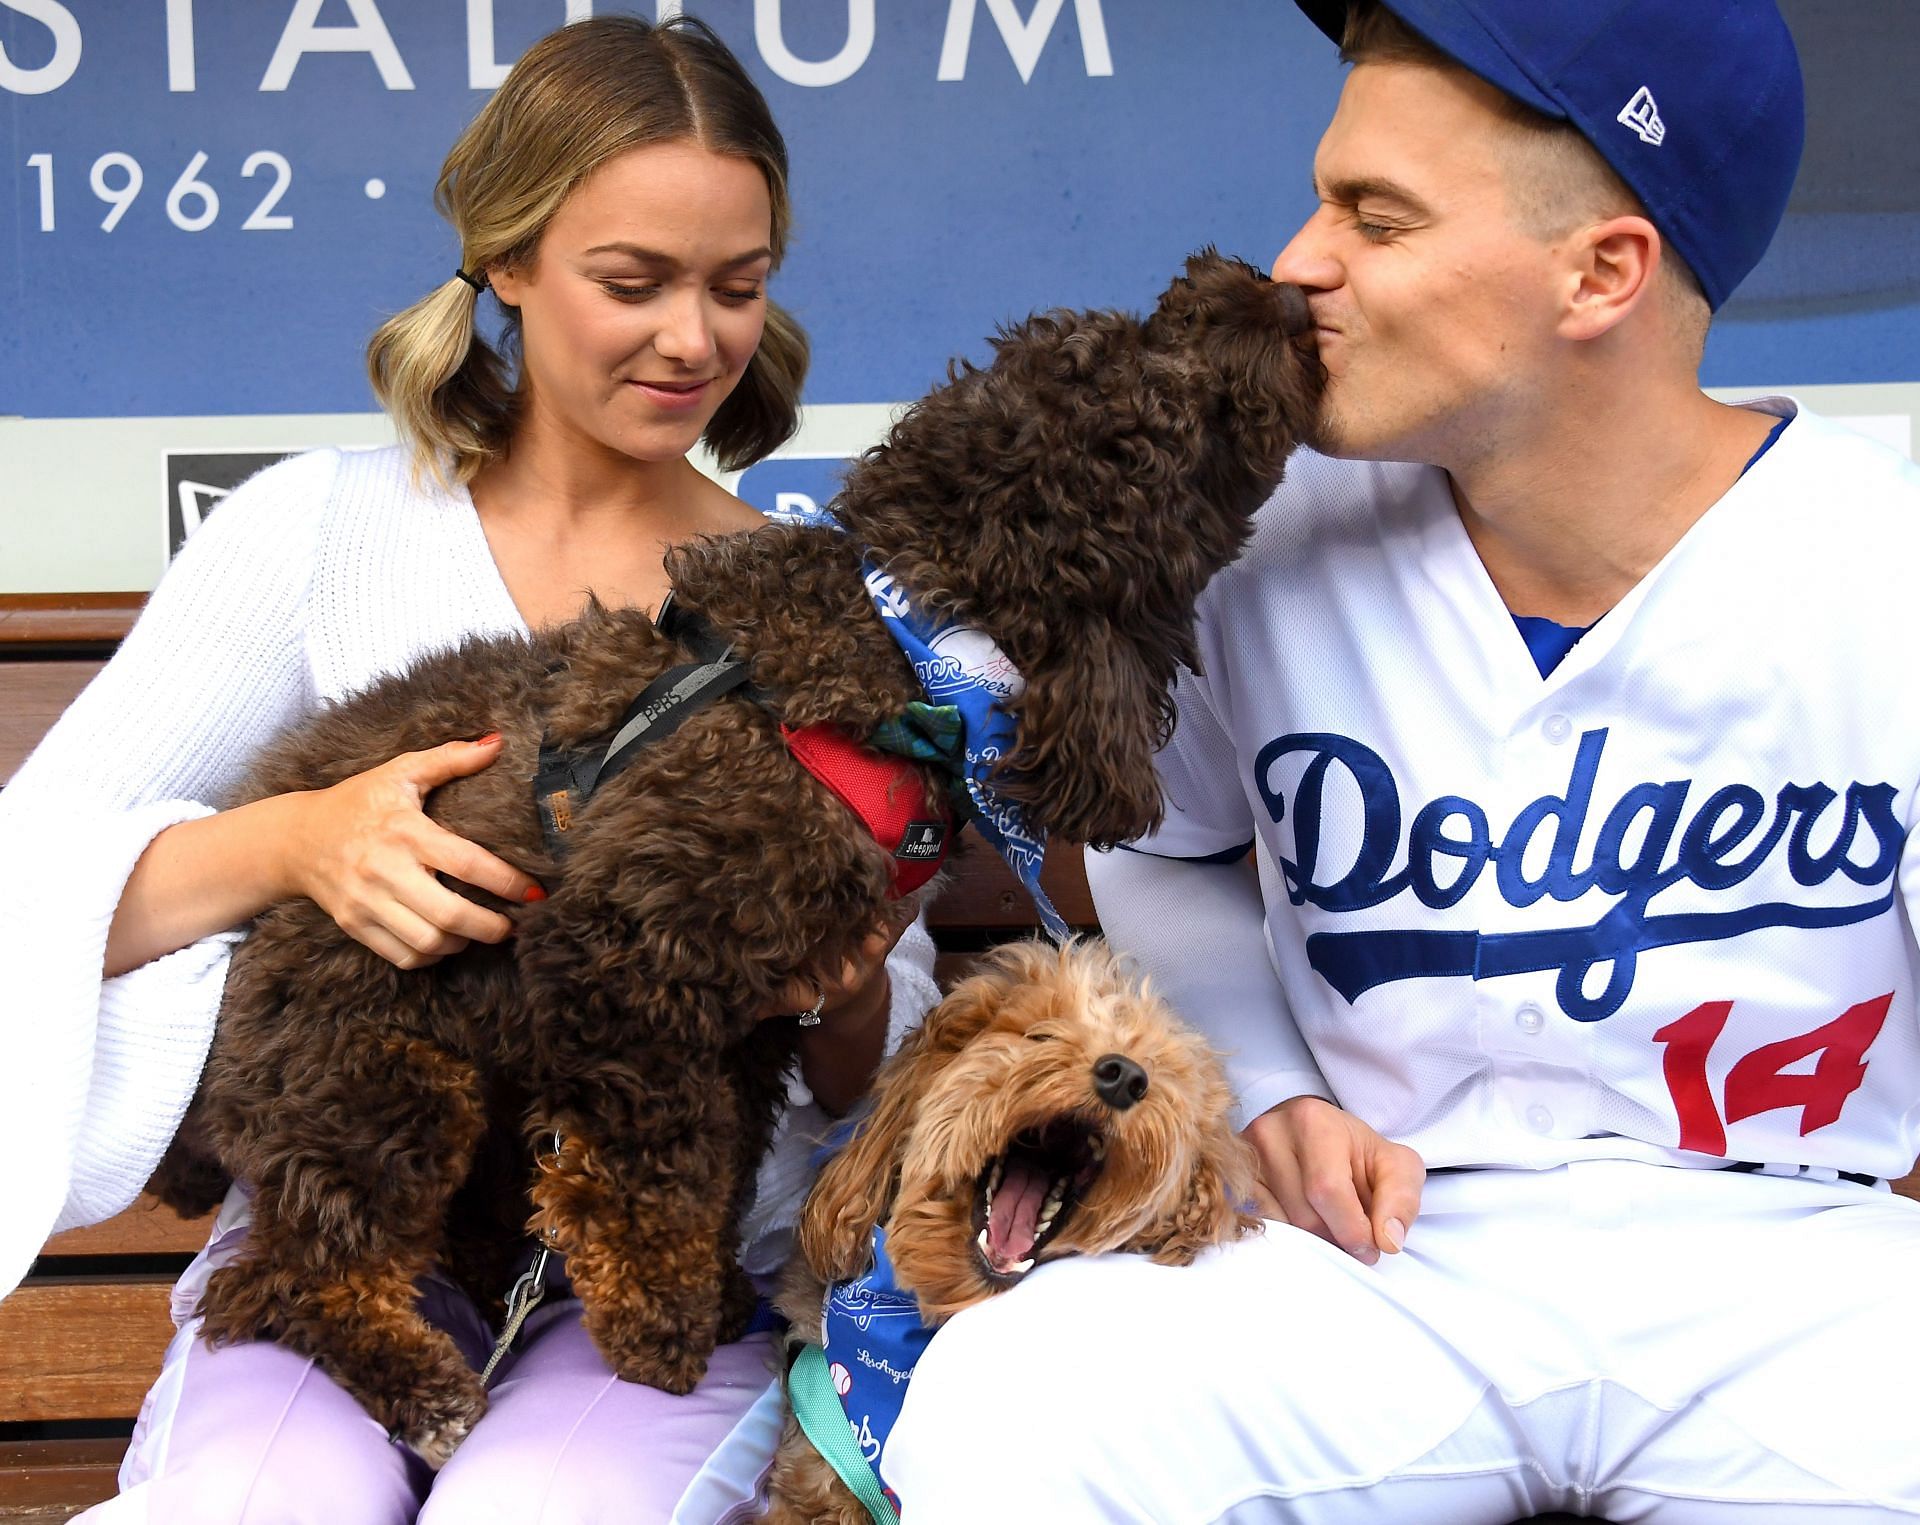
477,282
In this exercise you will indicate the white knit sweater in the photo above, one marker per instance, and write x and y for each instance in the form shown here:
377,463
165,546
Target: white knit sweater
315,578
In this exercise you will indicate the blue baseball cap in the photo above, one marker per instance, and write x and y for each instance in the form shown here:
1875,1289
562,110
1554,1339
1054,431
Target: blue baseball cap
1697,104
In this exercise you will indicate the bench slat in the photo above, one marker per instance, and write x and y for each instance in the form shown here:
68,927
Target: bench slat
43,1482
76,1349
982,895
67,619
147,1228
36,694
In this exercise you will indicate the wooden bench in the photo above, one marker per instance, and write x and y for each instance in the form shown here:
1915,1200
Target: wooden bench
81,1339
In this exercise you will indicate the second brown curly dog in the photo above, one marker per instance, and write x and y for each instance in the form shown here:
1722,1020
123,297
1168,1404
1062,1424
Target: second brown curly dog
1069,501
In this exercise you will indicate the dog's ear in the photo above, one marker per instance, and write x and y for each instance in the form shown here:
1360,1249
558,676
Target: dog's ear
855,1190
856,1187
1090,720
1216,1207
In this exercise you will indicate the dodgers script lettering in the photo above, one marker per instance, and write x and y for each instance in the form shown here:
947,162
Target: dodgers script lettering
1716,844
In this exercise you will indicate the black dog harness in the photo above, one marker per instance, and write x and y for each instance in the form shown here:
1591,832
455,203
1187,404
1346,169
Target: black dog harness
882,794
567,778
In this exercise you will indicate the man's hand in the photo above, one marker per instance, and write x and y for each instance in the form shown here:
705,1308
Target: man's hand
1323,1170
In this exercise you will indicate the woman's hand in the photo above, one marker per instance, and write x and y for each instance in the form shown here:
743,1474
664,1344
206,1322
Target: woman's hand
366,853
840,1052
1323,1170
843,984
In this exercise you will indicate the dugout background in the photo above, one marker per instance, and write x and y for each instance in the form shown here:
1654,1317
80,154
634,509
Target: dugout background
956,163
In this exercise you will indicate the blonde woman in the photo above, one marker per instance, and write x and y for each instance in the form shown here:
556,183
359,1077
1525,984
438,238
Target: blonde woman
623,196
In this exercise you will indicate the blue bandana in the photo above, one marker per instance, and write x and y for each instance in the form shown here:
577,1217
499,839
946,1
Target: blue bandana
961,668
873,1339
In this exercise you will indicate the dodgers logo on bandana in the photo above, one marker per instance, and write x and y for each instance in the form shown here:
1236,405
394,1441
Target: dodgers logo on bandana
873,1339
964,658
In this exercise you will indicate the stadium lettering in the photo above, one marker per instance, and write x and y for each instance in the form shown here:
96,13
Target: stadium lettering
47,56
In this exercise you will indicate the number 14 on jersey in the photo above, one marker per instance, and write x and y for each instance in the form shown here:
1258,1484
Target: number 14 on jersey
1759,1081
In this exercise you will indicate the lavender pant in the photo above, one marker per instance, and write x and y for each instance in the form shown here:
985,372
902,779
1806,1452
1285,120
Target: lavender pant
256,1435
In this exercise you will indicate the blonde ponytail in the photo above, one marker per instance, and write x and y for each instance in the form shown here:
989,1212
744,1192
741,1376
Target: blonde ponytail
444,386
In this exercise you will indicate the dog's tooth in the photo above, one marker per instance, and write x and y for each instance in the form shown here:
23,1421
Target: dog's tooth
993,1181
1022,1266
982,1242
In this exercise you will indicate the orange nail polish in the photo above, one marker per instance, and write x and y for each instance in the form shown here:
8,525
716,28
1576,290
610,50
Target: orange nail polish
536,893
487,740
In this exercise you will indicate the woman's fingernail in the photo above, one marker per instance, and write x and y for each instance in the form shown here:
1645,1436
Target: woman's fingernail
1396,1233
536,893
487,740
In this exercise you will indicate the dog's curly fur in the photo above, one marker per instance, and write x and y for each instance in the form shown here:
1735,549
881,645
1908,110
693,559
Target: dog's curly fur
1070,500
1007,1069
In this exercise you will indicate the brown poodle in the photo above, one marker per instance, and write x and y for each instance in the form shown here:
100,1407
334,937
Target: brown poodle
1050,1106
1069,502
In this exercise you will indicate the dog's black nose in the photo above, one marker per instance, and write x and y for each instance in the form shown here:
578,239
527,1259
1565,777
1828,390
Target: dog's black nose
1119,1081
1295,316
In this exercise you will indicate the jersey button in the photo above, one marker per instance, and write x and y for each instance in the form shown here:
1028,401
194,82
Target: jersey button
1529,1019
1557,728
1539,1119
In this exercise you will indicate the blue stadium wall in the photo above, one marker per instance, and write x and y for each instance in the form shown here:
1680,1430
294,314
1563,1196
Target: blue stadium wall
213,202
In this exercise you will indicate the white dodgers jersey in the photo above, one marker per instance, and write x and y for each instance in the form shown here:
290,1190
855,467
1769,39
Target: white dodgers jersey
1657,904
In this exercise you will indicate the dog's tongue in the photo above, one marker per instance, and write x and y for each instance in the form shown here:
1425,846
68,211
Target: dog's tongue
1013,1224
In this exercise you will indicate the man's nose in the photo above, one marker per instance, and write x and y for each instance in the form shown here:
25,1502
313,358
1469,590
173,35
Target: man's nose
1307,260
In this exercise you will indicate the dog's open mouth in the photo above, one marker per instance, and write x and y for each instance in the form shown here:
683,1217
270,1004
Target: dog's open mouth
1025,1196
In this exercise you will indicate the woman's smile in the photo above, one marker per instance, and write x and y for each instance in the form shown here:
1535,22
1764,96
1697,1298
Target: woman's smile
675,396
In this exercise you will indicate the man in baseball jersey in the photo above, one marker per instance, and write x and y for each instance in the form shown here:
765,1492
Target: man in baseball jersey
1570,1000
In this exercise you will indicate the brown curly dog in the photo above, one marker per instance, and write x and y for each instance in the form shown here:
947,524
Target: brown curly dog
1069,501
1050,1106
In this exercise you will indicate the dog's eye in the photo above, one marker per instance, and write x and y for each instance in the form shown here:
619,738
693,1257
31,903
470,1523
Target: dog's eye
1039,1037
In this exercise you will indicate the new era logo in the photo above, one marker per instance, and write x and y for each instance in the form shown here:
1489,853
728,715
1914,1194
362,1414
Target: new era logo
922,841
1643,116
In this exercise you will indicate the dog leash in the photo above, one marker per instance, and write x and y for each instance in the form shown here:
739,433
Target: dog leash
527,1293
817,1408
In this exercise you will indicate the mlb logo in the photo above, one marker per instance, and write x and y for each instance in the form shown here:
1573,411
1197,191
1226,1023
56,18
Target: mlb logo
922,841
